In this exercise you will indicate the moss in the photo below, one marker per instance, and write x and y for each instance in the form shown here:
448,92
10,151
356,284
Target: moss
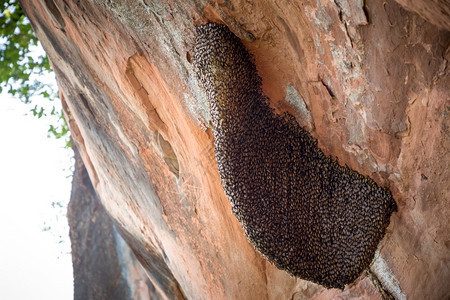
300,209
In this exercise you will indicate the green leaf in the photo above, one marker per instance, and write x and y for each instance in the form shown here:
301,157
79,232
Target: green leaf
46,95
17,64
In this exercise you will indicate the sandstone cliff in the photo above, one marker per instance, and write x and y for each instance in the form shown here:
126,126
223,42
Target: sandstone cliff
104,266
369,80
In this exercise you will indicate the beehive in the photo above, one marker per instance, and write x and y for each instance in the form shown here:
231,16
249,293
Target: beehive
300,209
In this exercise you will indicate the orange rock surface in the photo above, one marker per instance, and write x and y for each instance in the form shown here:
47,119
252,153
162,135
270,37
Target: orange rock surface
369,80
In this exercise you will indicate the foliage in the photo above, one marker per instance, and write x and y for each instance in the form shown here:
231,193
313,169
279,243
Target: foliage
21,68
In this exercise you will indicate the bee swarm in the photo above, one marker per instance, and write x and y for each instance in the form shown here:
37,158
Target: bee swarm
300,209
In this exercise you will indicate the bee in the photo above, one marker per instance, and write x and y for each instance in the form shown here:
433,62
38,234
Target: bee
300,209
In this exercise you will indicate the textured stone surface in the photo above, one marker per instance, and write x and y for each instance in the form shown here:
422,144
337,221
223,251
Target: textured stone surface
370,81
104,266
435,11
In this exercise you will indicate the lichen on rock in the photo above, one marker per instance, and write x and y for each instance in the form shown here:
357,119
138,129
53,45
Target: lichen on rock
300,209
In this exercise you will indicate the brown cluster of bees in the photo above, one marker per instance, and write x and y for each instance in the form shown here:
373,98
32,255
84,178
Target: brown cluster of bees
300,209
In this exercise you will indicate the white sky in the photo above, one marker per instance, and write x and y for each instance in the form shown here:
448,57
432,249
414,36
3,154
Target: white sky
34,172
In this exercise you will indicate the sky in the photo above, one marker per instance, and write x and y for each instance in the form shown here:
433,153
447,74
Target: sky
35,184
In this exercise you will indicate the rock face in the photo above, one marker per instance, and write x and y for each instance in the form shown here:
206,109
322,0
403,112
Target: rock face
368,80
435,11
104,266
